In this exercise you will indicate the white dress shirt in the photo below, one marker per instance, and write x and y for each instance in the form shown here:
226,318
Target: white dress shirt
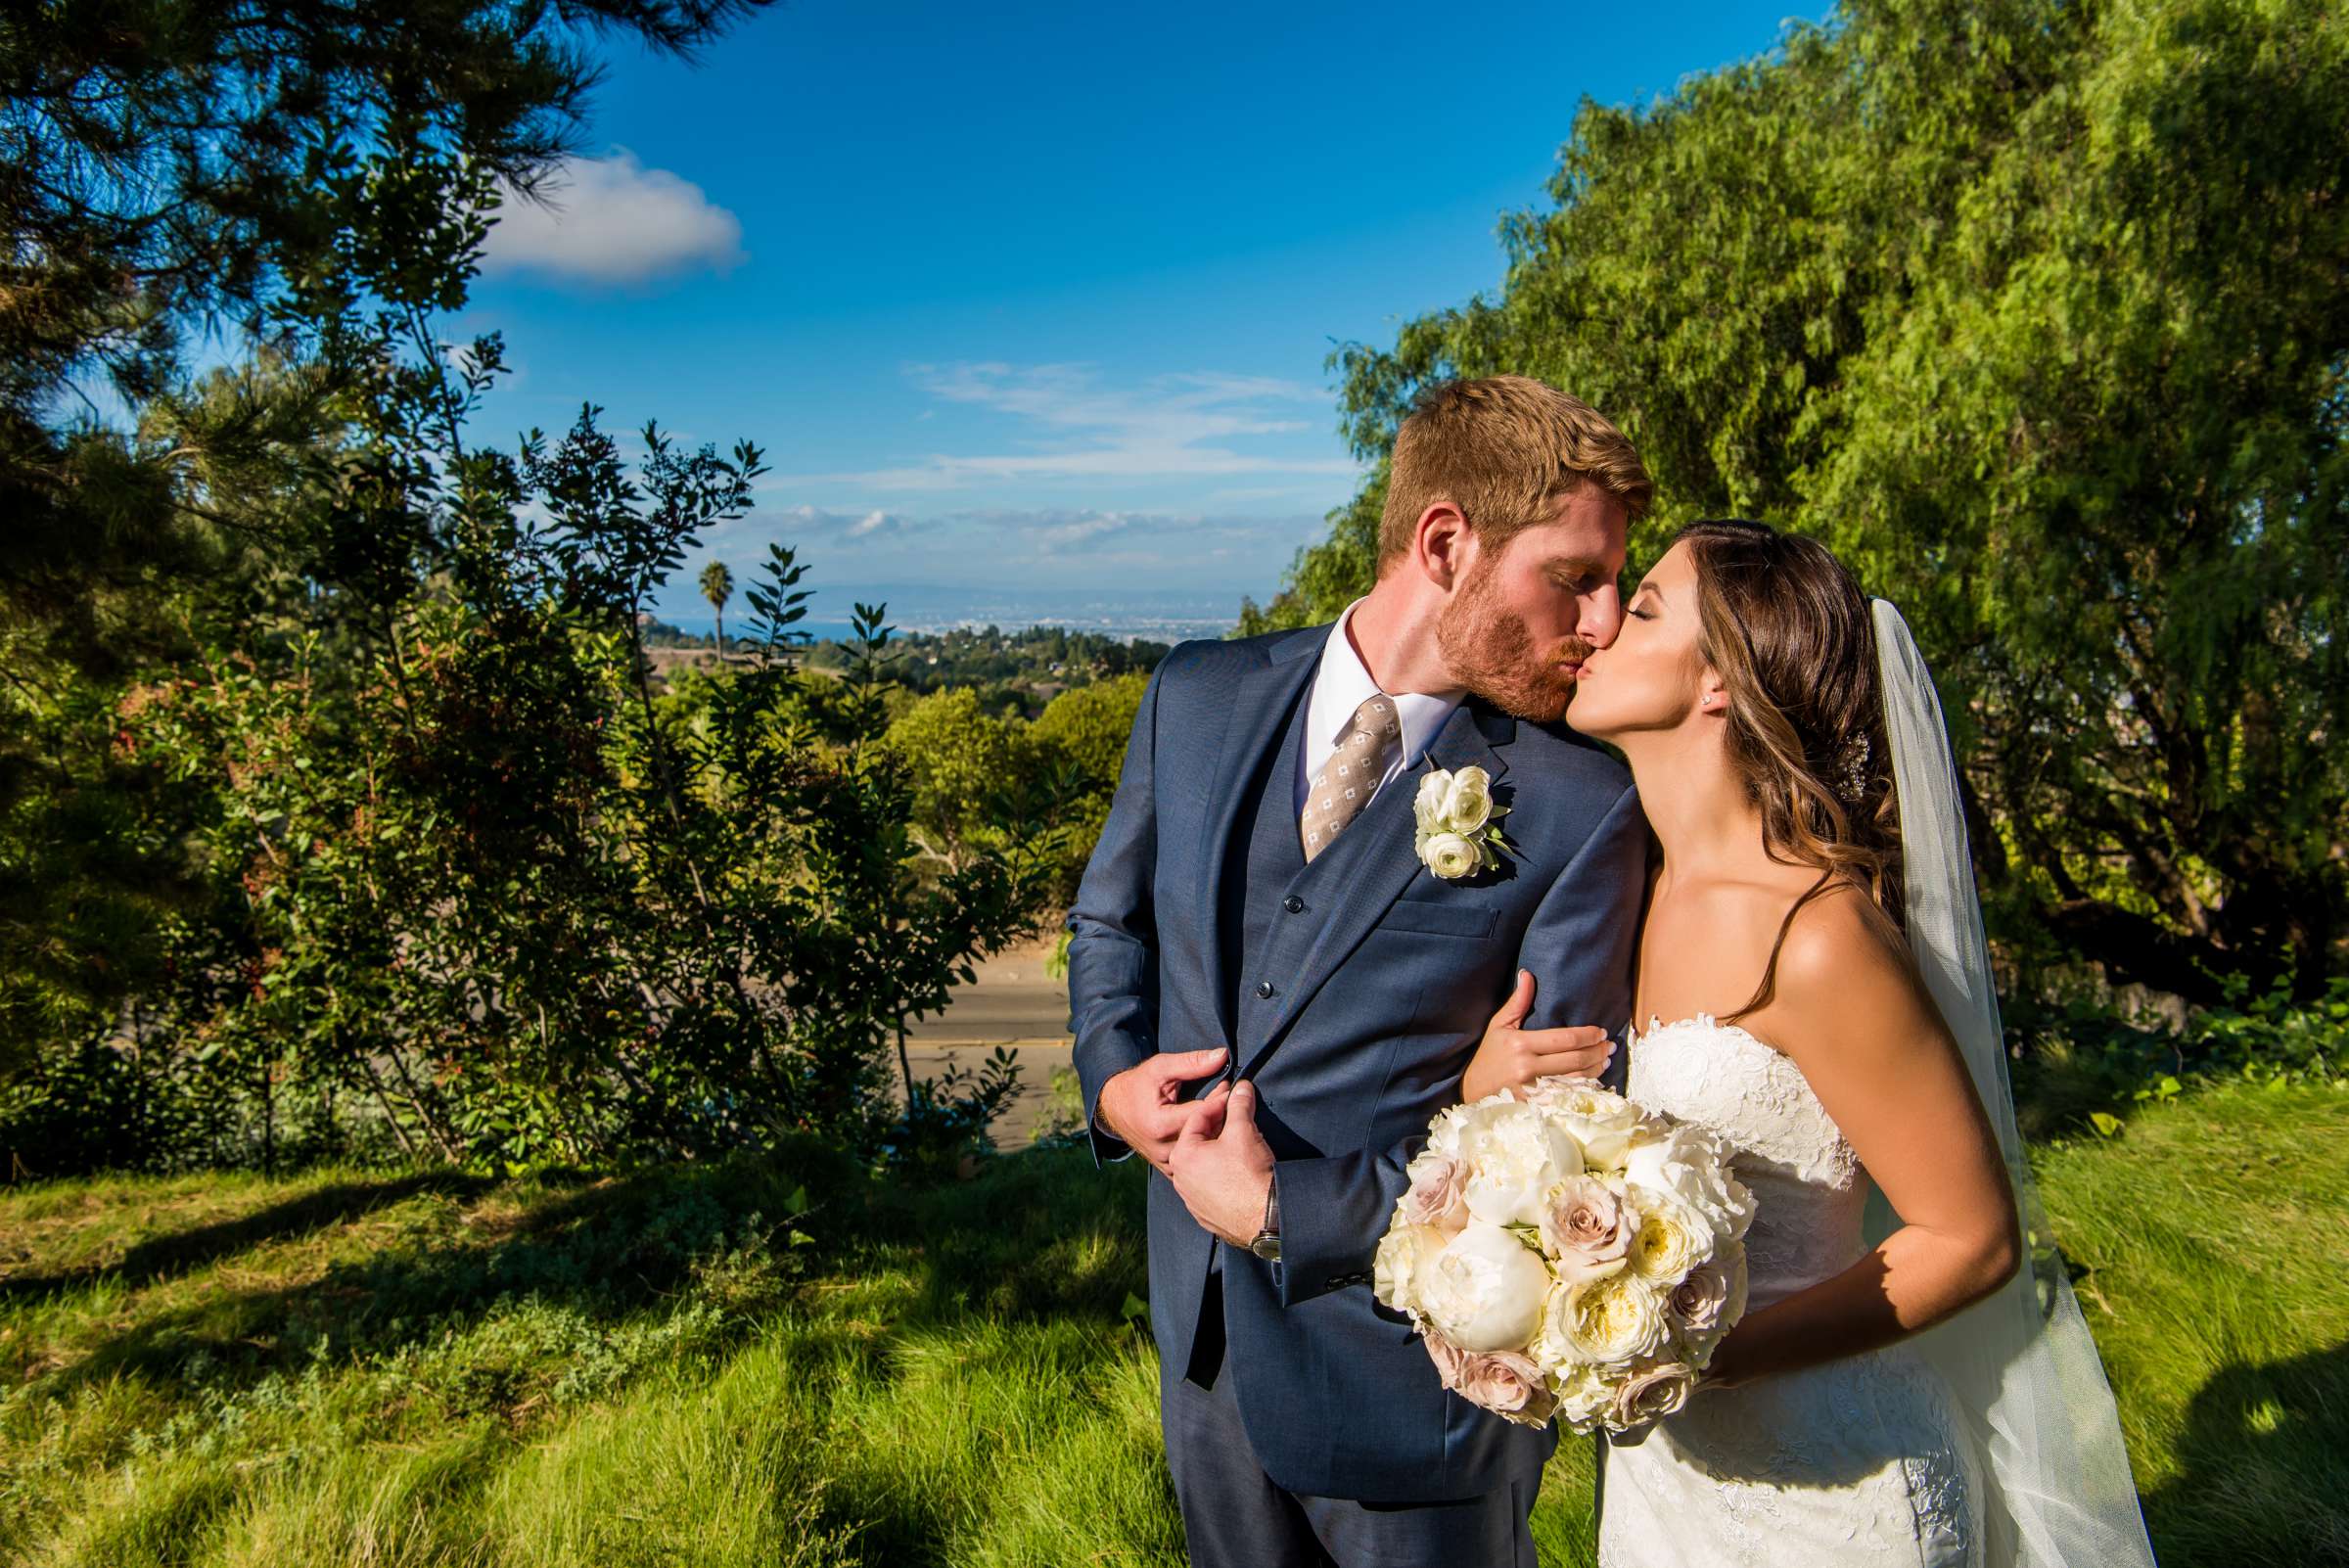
1341,686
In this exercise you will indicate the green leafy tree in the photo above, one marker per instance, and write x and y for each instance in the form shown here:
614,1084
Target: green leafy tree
717,586
2033,312
478,877
1081,738
177,169
965,766
447,871
1087,728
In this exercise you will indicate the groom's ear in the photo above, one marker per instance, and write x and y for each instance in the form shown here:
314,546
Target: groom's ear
1444,546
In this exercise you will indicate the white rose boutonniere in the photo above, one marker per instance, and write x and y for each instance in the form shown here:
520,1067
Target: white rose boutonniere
1459,831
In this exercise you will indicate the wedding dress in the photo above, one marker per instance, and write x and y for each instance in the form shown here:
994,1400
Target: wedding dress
1990,1439
1863,1459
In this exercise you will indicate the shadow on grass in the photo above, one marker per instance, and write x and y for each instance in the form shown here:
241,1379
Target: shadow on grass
1014,1281
1017,1282
2058,1094
162,1257
2266,1468
1039,1235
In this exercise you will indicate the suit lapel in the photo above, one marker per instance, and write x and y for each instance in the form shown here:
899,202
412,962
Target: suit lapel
1260,703
1477,735
1383,861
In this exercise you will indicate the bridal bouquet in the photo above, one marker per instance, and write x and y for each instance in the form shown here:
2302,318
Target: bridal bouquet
1565,1255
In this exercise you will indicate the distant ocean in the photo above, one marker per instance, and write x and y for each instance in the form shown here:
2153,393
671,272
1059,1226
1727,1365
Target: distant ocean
1170,622
1124,631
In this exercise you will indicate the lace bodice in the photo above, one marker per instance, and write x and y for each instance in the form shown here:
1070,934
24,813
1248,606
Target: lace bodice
1810,1191
1857,1462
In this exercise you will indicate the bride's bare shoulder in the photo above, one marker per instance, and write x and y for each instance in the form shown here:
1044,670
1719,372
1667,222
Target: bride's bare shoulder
1844,972
1842,925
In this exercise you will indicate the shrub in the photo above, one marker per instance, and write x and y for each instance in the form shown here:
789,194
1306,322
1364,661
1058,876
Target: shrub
2084,1060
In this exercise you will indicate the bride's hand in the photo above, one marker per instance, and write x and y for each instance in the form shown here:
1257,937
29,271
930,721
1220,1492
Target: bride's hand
1510,1056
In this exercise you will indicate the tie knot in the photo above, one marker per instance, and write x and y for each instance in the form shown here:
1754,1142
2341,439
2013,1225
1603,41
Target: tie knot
1375,723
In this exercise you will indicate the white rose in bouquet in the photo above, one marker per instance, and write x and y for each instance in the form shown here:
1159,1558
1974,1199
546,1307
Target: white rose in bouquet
1402,1252
1514,1155
1585,1398
1689,1163
1671,1239
1607,1320
1600,1120
1482,1290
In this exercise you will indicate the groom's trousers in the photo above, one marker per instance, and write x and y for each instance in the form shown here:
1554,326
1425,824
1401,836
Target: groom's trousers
1235,1517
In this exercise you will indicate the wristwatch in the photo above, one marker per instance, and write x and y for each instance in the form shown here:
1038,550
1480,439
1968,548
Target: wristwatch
1267,1242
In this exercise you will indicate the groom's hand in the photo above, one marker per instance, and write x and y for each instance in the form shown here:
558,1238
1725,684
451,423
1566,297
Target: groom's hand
1143,1104
1222,1166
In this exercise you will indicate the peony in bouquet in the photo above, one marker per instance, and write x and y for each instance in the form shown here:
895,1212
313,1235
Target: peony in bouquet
1563,1254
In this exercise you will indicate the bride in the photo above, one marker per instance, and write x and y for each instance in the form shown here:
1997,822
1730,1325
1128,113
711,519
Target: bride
1812,983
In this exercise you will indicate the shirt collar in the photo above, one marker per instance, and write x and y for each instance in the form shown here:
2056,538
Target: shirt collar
1342,683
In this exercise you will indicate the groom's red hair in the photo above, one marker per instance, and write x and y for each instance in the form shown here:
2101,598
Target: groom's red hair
1505,450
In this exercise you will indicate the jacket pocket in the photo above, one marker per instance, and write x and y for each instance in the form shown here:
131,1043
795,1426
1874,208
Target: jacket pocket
1440,918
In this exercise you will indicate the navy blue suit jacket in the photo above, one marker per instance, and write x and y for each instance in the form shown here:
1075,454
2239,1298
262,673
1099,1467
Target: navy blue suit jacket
1380,992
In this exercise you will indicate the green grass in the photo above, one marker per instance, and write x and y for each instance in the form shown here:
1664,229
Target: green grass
361,1368
2214,1232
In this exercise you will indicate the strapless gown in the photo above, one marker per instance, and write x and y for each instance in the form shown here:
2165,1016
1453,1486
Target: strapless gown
1860,1460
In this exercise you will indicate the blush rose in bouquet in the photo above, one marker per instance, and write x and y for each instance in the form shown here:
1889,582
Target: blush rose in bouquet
1566,1256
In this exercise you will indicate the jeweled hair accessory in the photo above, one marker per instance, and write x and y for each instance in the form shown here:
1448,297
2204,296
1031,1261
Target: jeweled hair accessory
1850,768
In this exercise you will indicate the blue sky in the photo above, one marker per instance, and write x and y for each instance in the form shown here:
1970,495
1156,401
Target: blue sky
1029,303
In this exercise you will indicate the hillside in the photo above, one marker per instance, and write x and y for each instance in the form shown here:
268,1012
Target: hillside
669,1368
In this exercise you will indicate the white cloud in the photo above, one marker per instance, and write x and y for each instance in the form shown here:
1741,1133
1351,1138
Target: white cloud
1171,410
814,522
1173,426
1026,540
611,220
1074,531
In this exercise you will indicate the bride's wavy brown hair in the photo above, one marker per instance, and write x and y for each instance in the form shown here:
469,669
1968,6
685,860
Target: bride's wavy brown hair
1785,627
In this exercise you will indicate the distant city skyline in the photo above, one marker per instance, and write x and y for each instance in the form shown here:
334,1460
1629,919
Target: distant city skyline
1158,617
1037,300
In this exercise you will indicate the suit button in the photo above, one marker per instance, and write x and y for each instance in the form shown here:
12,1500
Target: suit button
1293,905
1263,988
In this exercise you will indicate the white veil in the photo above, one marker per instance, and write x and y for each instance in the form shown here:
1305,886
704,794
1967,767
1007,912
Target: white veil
2048,1439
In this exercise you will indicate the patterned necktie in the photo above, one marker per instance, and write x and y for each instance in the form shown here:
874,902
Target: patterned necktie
1343,787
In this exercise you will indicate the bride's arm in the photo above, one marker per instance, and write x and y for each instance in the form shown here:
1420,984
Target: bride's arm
1510,1054
1852,1014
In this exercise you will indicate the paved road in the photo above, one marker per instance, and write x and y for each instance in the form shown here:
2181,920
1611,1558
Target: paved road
1015,1005
998,1012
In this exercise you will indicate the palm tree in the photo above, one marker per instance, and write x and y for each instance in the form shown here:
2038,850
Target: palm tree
717,586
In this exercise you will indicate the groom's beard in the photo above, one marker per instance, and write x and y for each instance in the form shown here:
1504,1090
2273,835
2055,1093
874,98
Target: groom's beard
1493,655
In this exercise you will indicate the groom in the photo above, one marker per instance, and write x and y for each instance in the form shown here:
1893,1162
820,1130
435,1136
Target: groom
1256,923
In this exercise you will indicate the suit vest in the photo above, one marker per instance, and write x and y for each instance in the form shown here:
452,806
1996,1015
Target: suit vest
1271,897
